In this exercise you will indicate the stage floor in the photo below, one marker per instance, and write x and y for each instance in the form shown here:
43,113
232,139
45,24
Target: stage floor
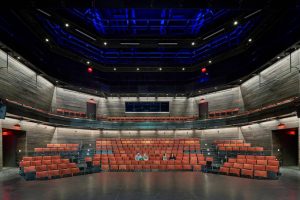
153,185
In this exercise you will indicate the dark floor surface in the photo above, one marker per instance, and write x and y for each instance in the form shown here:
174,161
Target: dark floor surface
153,185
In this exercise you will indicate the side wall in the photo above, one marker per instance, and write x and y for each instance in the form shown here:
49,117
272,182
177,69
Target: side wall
277,82
19,83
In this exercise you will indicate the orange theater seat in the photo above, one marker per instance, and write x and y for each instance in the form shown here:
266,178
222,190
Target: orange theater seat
247,172
52,167
36,163
187,167
262,162
170,167
260,167
197,167
27,159
248,166
238,165
122,167
65,172
53,173
105,167
260,174
227,164
75,171
41,174
270,168
41,168
273,162
29,169
224,170
235,171
232,160
46,162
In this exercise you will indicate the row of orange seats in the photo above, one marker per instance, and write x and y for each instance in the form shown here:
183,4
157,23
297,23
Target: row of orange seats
96,163
252,149
126,155
132,147
55,149
150,167
182,118
30,158
228,141
234,145
43,162
146,145
251,166
70,113
150,139
62,145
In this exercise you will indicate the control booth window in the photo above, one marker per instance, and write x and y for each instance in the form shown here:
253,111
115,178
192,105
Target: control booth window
148,107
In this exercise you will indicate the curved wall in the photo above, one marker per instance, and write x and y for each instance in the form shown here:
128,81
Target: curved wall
277,82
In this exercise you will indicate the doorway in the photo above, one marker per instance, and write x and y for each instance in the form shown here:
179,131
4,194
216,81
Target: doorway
13,146
285,146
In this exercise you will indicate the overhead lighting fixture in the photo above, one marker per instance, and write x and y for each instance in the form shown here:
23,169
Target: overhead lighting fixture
209,61
46,40
45,13
66,25
88,62
241,80
18,57
137,69
203,70
278,57
160,69
213,34
168,43
193,44
251,14
183,69
250,40
105,43
115,69
130,43
90,69
79,31
235,23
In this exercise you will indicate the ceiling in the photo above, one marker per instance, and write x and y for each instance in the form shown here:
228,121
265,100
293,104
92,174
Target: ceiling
148,50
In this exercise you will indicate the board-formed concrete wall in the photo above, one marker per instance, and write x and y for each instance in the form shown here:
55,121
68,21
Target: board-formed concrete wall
277,82
21,84
115,106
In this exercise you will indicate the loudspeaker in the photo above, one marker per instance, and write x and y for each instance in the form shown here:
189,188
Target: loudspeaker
2,110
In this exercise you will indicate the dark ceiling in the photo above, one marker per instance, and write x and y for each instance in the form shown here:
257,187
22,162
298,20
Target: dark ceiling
169,46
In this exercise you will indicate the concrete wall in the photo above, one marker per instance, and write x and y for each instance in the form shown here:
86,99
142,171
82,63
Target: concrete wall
19,83
277,82
179,106
260,134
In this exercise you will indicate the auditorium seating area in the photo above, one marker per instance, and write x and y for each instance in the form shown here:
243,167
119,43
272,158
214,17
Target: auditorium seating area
138,119
235,147
55,149
47,167
223,113
119,154
251,166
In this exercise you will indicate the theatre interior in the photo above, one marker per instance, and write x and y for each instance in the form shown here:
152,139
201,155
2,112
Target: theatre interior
151,100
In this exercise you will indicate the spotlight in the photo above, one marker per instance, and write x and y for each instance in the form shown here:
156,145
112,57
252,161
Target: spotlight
209,61
193,43
18,57
278,57
90,69
183,69
66,25
88,62
240,80
250,40
105,43
203,70
137,69
115,69
235,23
46,40
160,69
